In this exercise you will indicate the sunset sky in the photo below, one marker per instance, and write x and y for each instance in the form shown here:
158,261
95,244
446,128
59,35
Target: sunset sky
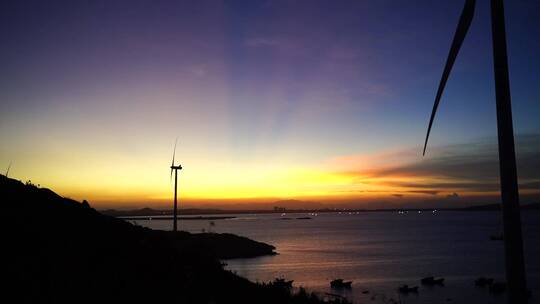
319,101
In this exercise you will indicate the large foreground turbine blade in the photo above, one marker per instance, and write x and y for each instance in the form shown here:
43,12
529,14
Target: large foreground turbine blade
461,31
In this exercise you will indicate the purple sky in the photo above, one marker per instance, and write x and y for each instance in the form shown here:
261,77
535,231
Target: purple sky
93,94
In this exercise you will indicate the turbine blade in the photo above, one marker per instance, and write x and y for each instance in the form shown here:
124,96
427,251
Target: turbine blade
461,31
9,167
174,153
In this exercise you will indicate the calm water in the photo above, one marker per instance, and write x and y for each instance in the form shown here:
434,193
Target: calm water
378,251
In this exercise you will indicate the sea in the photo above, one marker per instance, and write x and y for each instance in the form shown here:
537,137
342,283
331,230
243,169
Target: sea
379,251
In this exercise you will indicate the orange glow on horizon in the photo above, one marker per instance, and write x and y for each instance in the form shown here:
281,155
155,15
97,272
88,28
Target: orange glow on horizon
109,179
251,183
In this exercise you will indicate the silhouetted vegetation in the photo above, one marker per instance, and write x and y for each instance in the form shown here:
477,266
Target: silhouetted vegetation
59,251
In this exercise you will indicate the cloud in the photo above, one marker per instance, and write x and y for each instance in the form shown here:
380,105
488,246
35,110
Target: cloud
477,162
430,192
289,47
445,186
261,42
199,71
530,185
453,196
467,168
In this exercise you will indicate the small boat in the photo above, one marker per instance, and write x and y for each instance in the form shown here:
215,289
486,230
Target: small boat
407,289
483,282
281,282
430,281
339,283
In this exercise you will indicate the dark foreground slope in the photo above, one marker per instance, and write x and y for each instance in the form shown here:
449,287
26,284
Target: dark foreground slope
58,250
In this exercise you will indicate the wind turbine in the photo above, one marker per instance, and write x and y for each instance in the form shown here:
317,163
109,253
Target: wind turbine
513,242
175,168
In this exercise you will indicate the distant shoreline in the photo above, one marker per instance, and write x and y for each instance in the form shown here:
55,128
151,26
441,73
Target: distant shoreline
156,214
170,217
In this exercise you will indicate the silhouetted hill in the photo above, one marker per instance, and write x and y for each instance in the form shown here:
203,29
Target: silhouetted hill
62,251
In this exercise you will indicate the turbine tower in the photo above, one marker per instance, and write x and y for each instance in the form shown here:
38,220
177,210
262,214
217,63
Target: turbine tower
175,168
513,243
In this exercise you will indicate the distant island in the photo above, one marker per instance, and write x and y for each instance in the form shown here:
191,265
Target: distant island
62,251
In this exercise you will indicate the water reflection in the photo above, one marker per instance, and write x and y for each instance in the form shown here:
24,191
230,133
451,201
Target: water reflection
379,251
